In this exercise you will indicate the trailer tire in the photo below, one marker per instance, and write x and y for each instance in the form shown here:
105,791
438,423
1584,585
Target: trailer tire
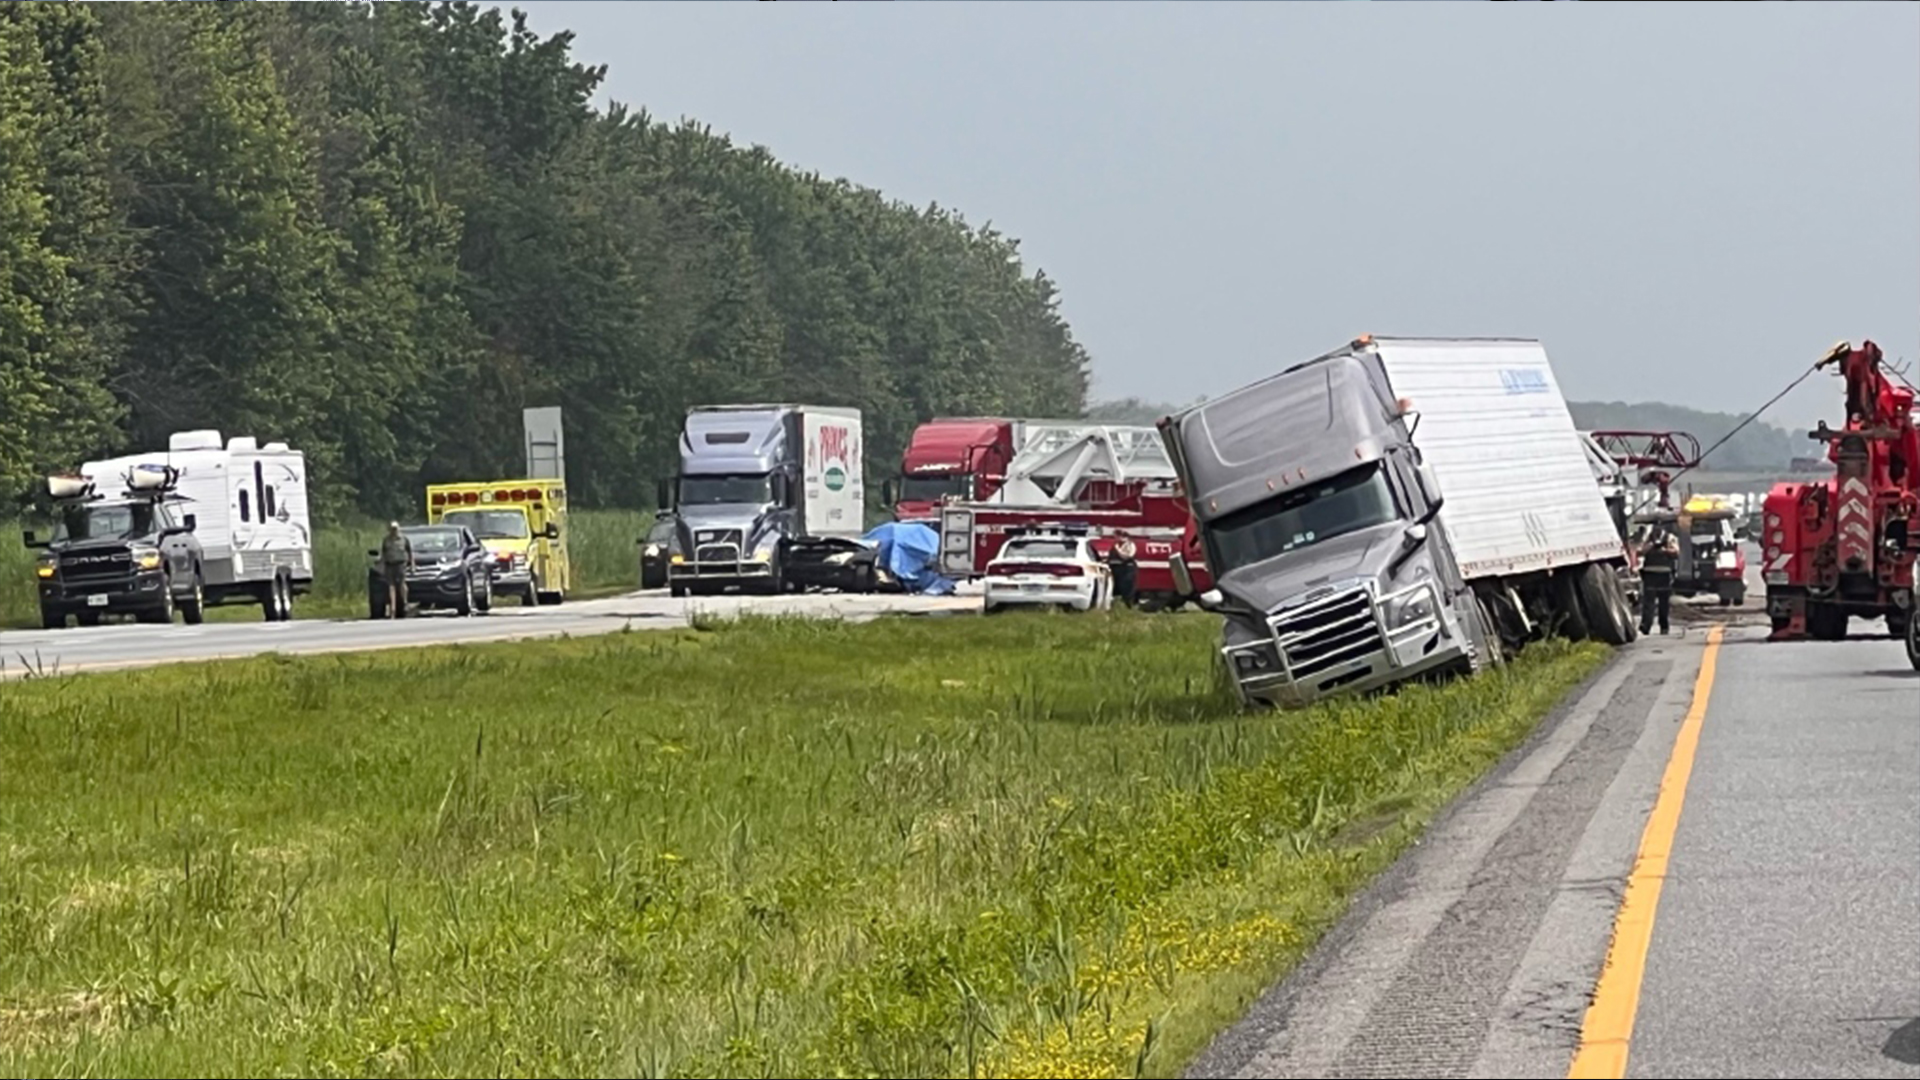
1624,603
1603,614
1496,650
1573,623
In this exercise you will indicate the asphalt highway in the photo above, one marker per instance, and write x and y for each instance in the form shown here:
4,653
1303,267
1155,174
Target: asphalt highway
123,645
1706,864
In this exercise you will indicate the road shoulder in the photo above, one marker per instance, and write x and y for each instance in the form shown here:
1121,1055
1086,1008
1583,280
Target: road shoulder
1475,955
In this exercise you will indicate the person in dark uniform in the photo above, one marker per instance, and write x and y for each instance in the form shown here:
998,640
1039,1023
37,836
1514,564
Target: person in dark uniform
1659,554
1126,572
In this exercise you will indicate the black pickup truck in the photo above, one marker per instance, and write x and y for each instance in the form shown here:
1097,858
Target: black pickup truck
127,556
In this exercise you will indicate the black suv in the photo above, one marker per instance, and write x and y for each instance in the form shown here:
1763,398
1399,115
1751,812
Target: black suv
451,569
128,556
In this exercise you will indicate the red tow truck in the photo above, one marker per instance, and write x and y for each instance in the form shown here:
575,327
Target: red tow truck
1844,547
1113,480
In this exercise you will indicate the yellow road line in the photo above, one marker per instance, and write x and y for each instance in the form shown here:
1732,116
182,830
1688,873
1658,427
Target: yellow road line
1607,1032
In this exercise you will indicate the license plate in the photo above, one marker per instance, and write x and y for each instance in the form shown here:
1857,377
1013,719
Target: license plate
1029,588
97,600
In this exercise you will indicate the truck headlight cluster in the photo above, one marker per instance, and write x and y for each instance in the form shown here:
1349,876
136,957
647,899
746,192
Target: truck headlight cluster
763,551
1257,659
1410,609
147,560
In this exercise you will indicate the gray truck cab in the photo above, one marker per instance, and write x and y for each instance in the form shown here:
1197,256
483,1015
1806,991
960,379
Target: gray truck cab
734,499
1321,525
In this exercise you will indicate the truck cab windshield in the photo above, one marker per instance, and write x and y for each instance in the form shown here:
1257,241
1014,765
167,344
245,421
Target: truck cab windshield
123,521
490,524
933,487
1356,499
725,490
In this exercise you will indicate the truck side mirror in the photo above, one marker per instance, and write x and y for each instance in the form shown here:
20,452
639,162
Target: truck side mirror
1429,492
1182,577
372,553
26,537
190,522
551,532
780,489
663,494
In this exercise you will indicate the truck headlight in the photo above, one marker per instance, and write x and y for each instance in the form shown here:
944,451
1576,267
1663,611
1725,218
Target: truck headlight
44,567
1407,610
147,560
652,551
1256,659
763,551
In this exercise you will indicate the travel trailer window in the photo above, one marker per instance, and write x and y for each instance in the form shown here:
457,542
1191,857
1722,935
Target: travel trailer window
490,524
722,490
1356,499
123,522
244,501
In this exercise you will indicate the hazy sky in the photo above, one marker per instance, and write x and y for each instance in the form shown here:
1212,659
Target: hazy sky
1685,202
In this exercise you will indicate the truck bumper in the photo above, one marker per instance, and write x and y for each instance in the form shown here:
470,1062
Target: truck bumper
111,596
1338,646
719,574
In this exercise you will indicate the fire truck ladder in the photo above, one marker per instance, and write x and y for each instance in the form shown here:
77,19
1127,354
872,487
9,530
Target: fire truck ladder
1056,460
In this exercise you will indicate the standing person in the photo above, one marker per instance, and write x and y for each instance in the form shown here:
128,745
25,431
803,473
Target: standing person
1126,572
396,558
1659,554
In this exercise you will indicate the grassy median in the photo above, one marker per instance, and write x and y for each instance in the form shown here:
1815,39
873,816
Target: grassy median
1037,846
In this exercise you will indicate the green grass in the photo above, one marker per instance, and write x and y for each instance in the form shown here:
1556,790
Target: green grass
601,543
1034,846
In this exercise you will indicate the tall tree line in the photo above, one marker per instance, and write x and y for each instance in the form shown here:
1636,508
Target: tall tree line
378,231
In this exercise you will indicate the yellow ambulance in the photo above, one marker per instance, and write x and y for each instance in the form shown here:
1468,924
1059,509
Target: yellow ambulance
523,524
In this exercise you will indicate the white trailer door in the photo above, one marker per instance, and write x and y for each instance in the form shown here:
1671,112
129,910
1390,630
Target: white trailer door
1496,433
836,491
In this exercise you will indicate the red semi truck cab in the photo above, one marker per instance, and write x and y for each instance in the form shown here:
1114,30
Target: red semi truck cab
961,458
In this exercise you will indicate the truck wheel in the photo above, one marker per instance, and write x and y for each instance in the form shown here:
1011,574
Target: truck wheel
483,603
532,595
376,605
464,606
1603,615
677,591
51,620
1826,622
1496,653
1913,643
87,618
1574,624
193,610
163,611
1624,604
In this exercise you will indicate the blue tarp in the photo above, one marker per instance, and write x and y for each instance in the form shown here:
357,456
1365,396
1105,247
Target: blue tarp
911,553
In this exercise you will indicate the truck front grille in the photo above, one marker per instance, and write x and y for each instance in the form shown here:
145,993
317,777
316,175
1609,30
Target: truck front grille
726,553
1323,634
96,567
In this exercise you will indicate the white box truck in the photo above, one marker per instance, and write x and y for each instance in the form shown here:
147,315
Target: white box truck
1396,508
769,498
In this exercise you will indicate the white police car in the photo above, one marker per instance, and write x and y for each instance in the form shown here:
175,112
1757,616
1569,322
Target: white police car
1048,569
